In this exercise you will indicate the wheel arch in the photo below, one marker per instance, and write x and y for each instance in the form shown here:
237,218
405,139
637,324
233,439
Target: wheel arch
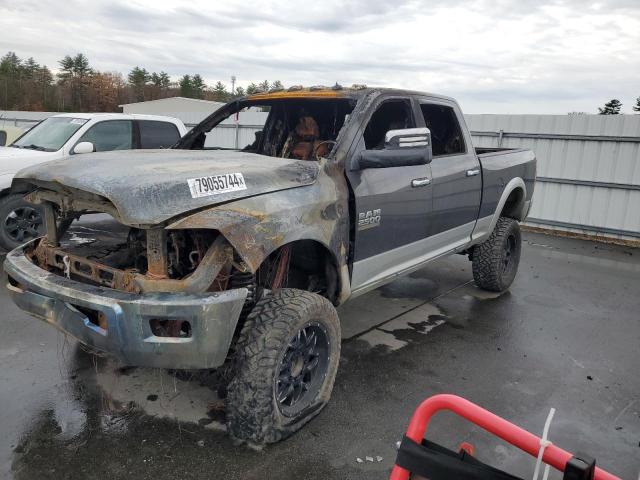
512,204
309,257
5,184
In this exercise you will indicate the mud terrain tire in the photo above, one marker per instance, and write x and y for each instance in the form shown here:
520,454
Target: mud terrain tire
495,261
272,331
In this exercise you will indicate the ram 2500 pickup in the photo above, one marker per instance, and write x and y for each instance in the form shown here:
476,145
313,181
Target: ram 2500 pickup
236,258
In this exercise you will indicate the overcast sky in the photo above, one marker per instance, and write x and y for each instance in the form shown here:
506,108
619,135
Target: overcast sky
505,56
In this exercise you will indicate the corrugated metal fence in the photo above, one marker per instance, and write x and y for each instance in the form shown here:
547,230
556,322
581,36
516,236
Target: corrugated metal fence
236,132
588,168
588,165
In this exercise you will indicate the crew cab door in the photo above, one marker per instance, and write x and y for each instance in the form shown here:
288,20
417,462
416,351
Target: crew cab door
457,175
108,135
390,176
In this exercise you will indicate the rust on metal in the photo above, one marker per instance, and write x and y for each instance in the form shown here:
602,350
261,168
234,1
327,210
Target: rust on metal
303,93
73,201
50,222
51,256
157,266
218,257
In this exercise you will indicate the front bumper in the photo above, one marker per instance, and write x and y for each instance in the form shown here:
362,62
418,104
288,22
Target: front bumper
128,337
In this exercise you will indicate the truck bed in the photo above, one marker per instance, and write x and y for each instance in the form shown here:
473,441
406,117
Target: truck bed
496,150
499,166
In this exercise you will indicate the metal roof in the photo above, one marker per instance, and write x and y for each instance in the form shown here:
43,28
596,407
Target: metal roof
168,99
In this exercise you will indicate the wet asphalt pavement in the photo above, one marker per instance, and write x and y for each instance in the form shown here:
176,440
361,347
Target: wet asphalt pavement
567,335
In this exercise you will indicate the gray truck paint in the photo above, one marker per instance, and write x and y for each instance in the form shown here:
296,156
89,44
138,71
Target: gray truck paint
419,212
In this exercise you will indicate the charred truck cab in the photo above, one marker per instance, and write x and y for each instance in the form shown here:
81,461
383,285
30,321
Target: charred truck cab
236,258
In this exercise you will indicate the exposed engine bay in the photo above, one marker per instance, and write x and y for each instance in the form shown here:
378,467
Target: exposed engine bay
138,261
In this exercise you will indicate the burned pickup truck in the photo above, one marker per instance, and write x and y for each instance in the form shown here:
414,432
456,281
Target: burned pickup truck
236,258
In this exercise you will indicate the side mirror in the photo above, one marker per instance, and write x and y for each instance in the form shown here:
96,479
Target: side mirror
402,148
84,147
408,138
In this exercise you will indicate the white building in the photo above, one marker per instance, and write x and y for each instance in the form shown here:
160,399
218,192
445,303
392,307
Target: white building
22,119
190,110
235,132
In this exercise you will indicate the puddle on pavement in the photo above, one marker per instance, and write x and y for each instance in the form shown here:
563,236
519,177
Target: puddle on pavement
400,331
160,394
80,240
99,402
392,334
410,287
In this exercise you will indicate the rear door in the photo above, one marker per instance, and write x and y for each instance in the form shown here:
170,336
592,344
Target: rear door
457,176
157,134
392,204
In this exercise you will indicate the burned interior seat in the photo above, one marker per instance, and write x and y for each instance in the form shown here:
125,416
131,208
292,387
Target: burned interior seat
304,141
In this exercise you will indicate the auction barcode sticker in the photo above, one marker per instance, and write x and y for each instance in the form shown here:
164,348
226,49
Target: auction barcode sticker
216,184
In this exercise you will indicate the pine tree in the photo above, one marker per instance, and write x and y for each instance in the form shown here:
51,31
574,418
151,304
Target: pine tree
239,92
161,79
75,74
277,85
66,68
264,86
160,84
30,68
185,86
10,72
251,88
220,93
612,107
44,82
10,64
197,86
636,107
138,78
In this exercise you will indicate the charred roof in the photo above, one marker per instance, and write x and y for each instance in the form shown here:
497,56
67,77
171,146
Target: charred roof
336,91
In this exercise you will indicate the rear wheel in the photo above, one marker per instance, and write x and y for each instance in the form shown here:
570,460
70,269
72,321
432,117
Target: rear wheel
496,260
20,221
286,362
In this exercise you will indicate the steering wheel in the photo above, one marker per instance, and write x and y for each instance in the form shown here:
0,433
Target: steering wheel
315,149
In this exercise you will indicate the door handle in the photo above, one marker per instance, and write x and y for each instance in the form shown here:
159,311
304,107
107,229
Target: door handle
473,173
420,182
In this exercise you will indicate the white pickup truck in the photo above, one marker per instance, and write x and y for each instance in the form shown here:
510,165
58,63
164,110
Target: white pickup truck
64,135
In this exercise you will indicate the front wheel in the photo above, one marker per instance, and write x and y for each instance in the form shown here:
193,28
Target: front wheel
20,221
496,260
286,361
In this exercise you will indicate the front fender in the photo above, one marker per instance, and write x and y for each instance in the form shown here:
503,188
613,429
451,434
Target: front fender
257,226
5,181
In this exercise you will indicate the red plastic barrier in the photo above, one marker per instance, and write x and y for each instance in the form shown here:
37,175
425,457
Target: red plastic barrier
526,441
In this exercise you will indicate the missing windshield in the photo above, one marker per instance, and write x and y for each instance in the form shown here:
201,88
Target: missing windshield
304,129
